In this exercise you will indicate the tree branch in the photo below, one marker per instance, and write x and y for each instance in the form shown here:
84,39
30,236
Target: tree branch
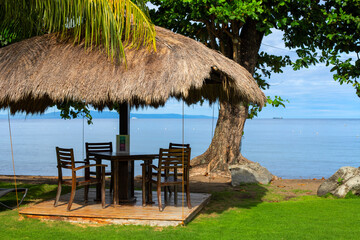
211,27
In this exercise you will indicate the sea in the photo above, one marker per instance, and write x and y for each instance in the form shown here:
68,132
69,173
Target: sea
289,148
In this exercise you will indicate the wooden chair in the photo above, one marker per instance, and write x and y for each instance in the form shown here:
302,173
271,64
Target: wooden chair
99,147
65,159
5,191
172,160
168,173
178,145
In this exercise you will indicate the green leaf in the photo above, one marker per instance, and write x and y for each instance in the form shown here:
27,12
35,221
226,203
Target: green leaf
113,24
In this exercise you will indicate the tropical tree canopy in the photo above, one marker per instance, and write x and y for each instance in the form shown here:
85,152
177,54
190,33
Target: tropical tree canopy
114,24
319,31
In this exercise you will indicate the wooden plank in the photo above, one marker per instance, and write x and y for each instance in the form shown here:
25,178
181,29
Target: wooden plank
122,214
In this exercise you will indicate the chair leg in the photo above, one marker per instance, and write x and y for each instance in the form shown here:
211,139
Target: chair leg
25,190
86,194
150,192
103,188
175,195
169,190
6,206
57,198
72,195
168,187
188,195
159,197
143,185
111,184
111,178
165,195
86,188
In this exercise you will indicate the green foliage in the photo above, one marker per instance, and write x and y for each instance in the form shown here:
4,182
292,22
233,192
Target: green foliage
268,64
113,24
19,24
277,101
320,31
330,33
351,195
6,37
70,109
340,181
227,11
218,25
329,196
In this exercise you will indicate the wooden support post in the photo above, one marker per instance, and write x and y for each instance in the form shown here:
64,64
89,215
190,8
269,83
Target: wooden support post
126,168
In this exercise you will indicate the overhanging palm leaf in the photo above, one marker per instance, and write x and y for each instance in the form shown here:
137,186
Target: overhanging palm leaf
115,24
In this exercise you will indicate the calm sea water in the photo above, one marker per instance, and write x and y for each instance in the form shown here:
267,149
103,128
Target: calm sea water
289,148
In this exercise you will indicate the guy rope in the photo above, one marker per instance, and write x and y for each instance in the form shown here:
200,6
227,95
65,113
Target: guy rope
13,162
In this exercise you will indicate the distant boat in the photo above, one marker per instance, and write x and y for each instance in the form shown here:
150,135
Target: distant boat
134,118
277,117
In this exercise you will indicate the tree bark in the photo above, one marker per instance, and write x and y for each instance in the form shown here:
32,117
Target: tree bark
224,149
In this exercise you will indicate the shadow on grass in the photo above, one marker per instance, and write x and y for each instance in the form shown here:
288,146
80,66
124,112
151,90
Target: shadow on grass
36,193
243,196
224,196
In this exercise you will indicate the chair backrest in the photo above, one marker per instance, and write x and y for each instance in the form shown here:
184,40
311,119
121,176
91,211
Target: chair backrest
65,159
172,159
97,147
178,145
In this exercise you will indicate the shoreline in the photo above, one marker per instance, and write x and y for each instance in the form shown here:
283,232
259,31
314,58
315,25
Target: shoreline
198,183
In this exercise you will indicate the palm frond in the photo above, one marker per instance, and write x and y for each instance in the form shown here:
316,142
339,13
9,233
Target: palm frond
115,24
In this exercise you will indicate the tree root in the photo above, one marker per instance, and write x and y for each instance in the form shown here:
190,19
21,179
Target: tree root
212,165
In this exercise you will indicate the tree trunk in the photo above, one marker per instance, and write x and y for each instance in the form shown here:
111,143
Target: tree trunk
224,149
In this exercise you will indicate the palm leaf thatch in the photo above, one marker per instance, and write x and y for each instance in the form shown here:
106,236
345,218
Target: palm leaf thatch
42,71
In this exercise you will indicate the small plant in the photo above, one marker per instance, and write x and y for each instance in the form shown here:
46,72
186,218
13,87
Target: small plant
340,181
351,195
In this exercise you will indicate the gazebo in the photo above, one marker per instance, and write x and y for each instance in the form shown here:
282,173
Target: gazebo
43,71
39,72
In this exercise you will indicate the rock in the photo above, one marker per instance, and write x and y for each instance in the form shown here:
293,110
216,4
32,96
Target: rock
274,178
249,173
344,180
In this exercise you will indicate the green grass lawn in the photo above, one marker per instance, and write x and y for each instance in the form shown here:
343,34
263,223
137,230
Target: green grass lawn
246,212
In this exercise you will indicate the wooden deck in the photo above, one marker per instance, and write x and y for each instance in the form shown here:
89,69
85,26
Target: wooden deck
123,214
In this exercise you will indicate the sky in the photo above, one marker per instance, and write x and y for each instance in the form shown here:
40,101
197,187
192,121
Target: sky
311,92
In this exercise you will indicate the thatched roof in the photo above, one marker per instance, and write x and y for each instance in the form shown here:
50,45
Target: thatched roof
38,72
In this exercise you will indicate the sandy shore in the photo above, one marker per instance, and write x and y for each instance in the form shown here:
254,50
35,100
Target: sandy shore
198,183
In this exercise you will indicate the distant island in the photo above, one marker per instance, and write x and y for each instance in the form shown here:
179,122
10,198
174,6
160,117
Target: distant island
108,115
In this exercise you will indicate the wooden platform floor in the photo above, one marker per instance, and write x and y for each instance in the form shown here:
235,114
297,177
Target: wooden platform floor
123,214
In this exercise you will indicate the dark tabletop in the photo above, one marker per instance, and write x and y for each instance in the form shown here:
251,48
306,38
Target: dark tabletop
123,156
